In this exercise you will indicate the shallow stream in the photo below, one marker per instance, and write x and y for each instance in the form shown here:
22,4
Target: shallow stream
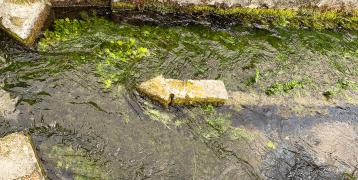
292,113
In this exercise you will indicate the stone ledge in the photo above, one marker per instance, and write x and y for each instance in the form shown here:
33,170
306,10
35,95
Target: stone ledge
273,4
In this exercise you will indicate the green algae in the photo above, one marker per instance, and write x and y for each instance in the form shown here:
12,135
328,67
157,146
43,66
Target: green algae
341,86
183,52
279,87
245,59
115,59
75,162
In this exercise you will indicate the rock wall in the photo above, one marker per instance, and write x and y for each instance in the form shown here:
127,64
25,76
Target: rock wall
23,19
323,4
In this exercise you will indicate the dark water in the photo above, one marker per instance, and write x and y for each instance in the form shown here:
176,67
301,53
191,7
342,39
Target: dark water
83,130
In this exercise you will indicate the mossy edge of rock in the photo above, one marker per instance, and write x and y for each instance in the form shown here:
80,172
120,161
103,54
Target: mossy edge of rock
309,17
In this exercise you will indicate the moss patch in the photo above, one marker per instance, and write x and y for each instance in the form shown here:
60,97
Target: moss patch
277,61
75,162
115,58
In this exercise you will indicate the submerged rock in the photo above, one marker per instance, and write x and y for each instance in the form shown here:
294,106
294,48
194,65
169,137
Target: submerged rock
178,92
23,19
18,159
7,105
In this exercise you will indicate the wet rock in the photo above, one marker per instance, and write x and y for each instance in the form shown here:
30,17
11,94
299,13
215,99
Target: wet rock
178,92
156,89
23,19
330,4
71,3
18,159
7,105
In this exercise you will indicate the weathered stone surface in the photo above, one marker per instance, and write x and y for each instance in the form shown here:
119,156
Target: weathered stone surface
178,92
23,19
7,105
156,89
330,4
72,3
18,159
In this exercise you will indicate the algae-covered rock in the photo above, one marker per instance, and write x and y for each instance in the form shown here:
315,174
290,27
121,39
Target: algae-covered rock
318,14
23,19
330,4
18,159
156,89
178,92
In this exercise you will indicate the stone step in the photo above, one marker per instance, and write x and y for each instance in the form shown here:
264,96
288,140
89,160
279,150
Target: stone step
18,159
179,92
23,19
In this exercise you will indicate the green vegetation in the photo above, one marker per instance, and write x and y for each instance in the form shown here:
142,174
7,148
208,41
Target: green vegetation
118,59
160,116
270,145
246,59
253,79
76,162
221,126
340,86
64,29
279,87
115,59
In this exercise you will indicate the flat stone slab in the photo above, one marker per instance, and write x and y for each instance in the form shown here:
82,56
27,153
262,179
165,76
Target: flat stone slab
18,159
23,19
180,92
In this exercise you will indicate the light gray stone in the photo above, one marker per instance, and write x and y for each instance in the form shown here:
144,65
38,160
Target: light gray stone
18,159
8,105
23,19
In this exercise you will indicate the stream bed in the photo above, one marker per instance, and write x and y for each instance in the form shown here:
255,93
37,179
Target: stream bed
292,111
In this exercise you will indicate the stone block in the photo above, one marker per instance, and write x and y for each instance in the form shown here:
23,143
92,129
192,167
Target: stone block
181,92
18,159
23,19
